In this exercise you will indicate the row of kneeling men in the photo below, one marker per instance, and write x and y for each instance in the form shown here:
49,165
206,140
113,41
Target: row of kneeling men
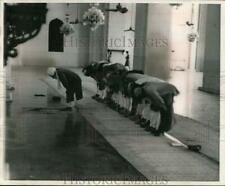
147,100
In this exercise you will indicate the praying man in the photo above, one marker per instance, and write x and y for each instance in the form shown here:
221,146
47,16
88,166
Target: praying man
71,81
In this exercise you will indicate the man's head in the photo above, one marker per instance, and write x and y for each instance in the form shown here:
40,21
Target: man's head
52,72
90,69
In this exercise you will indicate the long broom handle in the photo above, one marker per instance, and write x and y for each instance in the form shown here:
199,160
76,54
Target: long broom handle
175,140
195,148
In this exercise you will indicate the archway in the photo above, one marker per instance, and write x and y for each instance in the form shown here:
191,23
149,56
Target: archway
55,39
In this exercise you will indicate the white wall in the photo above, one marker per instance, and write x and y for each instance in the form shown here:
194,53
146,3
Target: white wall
117,38
180,47
35,51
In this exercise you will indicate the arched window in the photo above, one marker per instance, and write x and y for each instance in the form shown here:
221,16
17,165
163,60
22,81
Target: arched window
55,38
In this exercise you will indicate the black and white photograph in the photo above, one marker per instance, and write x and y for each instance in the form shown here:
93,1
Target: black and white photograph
111,92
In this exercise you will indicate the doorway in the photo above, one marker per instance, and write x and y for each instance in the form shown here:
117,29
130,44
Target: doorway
184,23
121,34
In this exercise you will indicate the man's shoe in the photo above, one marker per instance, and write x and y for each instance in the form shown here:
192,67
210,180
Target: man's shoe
144,124
156,133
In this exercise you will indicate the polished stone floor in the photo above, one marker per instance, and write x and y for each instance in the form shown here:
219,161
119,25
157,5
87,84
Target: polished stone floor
199,106
191,102
50,144
197,112
56,145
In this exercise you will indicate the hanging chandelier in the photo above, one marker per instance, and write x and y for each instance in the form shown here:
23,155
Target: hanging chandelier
93,17
67,29
22,22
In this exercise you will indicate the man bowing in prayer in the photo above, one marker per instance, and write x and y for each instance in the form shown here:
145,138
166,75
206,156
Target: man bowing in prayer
70,80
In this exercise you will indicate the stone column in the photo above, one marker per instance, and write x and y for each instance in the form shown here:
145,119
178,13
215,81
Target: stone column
157,40
98,40
211,70
140,36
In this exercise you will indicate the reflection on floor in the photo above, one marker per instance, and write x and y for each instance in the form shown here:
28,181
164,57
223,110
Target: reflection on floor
42,145
197,119
191,102
56,145
200,106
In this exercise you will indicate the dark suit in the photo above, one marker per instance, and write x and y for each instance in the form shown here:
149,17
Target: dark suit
161,95
72,82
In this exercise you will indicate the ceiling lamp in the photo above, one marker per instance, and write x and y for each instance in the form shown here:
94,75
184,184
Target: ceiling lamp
67,27
118,8
131,21
176,5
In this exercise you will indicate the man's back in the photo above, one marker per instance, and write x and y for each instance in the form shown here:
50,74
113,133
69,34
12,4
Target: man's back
68,78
